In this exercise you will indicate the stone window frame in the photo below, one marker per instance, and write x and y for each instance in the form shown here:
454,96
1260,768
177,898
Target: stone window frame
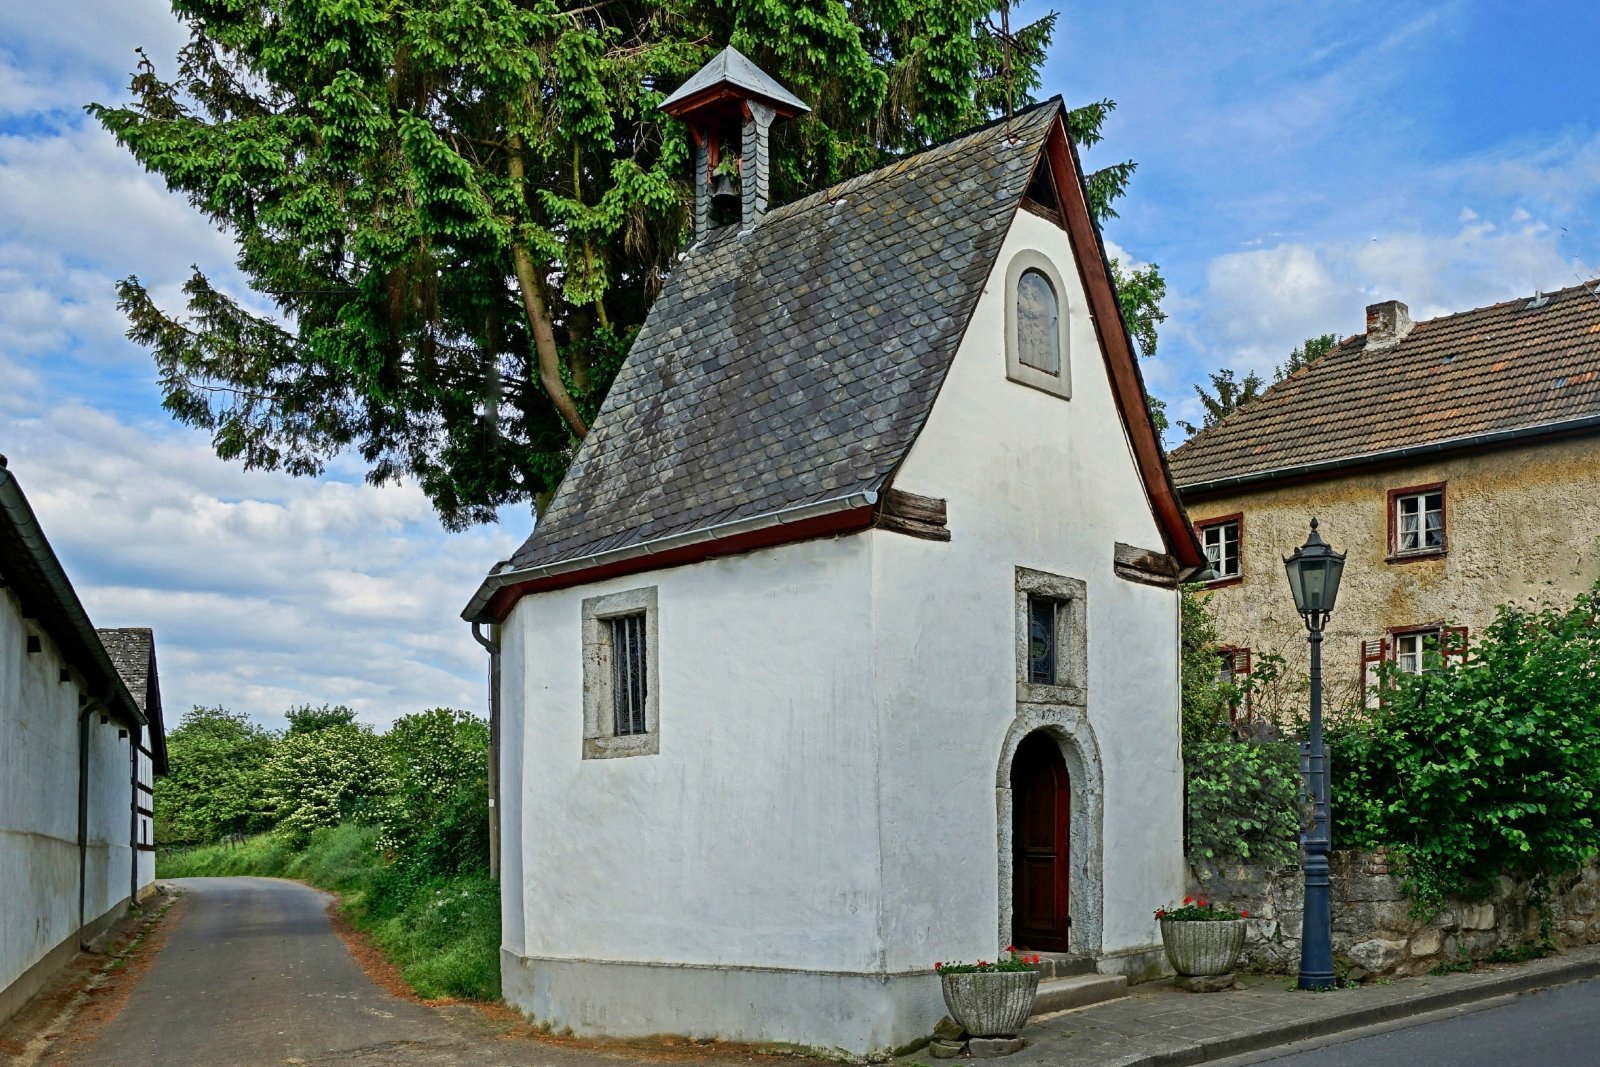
1072,638
1060,383
600,740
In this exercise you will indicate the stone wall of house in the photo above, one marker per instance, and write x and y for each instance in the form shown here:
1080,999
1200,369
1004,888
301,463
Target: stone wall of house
1374,931
1520,525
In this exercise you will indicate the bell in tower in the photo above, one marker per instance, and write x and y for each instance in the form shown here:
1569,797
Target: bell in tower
729,106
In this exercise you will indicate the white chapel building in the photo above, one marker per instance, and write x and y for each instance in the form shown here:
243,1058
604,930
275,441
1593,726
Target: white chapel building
850,642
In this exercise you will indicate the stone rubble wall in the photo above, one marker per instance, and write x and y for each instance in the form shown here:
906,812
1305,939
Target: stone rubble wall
1374,931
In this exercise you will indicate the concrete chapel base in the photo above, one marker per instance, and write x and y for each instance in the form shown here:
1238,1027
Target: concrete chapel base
831,1012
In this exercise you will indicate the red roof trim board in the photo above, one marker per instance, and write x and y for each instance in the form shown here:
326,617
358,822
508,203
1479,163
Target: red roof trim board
1116,346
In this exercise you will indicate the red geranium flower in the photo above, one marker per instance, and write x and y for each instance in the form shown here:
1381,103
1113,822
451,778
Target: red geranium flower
1244,913
1011,948
1035,959
1188,900
1202,902
1161,913
936,966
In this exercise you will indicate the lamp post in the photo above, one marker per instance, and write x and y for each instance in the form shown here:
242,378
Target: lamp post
1314,571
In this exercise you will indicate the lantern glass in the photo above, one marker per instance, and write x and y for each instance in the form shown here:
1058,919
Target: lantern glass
1314,572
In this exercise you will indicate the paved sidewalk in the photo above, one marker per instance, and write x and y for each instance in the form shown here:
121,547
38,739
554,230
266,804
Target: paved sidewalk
1158,1025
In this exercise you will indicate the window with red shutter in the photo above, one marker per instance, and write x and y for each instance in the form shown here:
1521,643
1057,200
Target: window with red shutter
1373,654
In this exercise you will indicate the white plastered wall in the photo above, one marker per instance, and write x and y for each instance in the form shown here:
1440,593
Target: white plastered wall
748,844
1031,480
39,807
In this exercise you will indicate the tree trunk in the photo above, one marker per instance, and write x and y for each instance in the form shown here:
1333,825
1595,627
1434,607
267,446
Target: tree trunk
544,334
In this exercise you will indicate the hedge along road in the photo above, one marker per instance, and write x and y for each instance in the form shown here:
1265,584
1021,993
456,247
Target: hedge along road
255,974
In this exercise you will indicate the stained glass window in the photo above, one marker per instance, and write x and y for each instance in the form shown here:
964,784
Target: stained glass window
1042,640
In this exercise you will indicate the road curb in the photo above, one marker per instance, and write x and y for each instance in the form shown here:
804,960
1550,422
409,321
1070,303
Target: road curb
1423,1003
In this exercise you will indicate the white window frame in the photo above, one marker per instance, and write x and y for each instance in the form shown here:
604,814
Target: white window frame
1220,528
1422,513
1060,383
1412,662
600,739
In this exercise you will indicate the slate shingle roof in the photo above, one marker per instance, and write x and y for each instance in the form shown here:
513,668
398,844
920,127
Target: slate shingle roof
1500,368
133,653
794,364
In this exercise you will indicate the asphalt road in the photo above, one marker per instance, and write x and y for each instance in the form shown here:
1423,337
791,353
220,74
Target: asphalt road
1548,1028
255,974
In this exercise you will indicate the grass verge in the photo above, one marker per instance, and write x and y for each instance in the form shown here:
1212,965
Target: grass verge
441,931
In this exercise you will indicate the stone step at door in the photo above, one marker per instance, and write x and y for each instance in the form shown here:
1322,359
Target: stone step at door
1078,991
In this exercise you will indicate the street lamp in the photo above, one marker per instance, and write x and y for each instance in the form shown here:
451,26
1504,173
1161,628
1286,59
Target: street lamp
1314,572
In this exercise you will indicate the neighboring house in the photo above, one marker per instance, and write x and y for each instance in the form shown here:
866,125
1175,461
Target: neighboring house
849,643
1456,461
69,763
133,650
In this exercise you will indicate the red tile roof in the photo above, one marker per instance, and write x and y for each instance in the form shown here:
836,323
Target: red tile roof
1504,369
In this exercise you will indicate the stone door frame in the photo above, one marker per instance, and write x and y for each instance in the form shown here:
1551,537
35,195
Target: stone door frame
1069,727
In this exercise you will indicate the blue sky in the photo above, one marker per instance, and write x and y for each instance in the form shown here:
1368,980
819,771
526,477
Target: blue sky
1296,162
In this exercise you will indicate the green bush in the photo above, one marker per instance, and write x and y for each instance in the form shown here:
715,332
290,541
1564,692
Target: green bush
213,784
321,778
1243,801
1484,768
434,817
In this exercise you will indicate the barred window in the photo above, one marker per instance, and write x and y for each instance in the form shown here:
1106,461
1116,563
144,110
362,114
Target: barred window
630,674
621,676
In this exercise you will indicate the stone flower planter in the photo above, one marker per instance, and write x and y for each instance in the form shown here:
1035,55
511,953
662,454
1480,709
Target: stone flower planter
1203,948
991,1004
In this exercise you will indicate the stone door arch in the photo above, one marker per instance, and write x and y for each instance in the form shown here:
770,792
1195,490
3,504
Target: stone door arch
1069,728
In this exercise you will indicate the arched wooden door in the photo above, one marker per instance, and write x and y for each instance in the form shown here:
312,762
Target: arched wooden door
1041,804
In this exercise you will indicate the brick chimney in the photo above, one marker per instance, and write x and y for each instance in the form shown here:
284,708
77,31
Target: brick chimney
1387,324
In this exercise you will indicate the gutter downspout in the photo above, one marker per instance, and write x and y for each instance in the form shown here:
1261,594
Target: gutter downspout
493,648
133,817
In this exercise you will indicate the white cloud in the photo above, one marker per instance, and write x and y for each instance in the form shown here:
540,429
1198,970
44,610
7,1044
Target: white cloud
264,590
1259,304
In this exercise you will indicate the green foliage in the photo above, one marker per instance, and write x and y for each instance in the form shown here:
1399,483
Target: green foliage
1243,801
1305,355
213,786
437,764
1242,797
1229,395
459,213
1488,767
1205,700
321,779
308,718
